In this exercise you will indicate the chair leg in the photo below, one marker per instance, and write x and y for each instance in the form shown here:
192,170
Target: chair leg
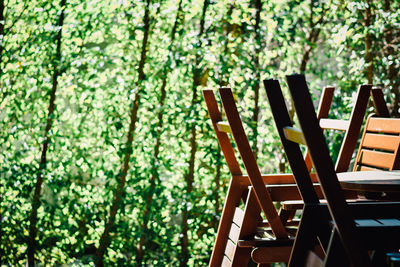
336,255
286,215
378,258
248,226
233,198
305,239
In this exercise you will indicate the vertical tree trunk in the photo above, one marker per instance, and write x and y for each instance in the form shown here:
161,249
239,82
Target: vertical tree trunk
189,176
223,76
223,81
312,35
121,178
1,82
368,42
311,41
42,165
393,71
3,22
154,178
2,36
256,82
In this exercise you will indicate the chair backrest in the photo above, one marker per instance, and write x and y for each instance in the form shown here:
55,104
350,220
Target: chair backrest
235,127
379,146
286,131
381,108
351,127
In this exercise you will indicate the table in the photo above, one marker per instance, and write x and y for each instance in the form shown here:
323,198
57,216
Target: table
383,185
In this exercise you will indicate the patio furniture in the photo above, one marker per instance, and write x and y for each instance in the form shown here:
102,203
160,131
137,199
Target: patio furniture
237,236
347,231
237,228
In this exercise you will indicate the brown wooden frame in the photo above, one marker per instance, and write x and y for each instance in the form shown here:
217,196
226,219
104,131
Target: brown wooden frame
351,127
346,233
276,190
235,237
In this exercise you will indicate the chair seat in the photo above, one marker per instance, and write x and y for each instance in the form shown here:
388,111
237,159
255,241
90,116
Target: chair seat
265,242
377,231
298,204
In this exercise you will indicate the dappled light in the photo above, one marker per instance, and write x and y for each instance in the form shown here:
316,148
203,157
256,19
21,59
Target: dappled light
108,155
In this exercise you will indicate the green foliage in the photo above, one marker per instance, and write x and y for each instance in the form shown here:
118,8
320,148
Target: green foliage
101,47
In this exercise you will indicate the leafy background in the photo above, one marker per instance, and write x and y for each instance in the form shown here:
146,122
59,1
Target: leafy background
126,166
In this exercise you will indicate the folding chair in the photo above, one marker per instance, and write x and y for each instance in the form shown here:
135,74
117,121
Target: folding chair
376,224
235,239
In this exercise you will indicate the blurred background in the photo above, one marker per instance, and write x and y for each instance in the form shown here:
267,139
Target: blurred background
107,152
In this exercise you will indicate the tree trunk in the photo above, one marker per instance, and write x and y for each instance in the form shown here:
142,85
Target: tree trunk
312,36
189,177
368,43
1,69
312,39
223,76
121,178
256,82
393,71
1,34
154,178
42,165
223,81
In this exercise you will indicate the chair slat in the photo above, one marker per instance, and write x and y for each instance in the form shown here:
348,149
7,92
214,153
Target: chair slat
387,125
380,141
270,254
376,159
289,192
225,262
367,222
234,232
334,124
230,249
238,217
278,178
366,168
223,126
294,135
390,222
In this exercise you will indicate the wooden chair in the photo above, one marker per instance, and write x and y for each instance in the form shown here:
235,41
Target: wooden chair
379,146
235,241
376,224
